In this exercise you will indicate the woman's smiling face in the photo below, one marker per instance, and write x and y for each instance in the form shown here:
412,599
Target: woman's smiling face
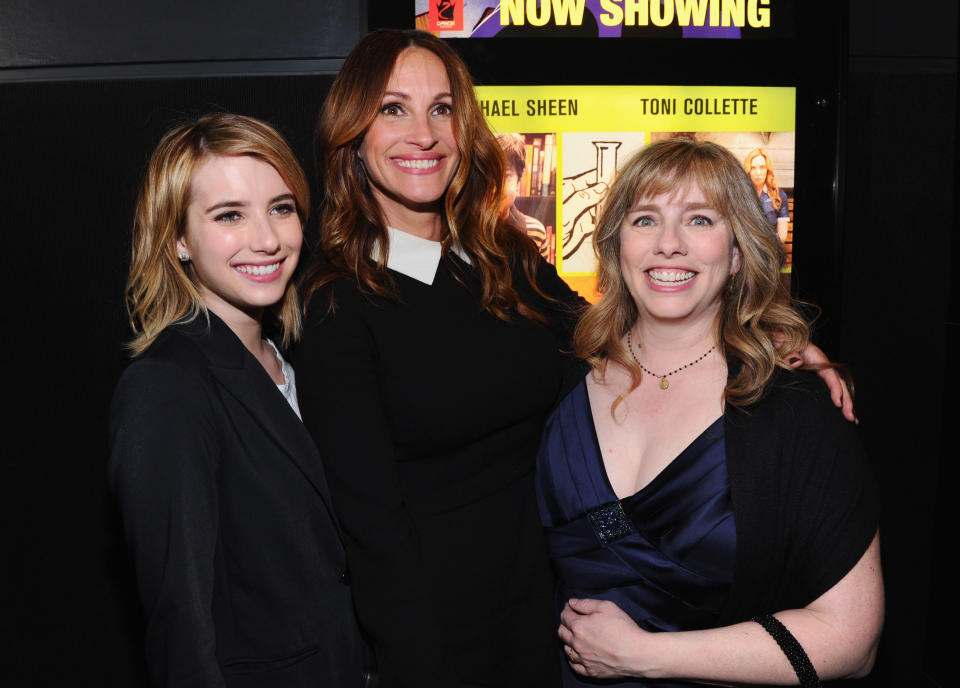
242,235
676,254
410,152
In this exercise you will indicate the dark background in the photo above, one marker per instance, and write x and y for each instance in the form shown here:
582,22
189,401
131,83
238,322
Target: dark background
87,88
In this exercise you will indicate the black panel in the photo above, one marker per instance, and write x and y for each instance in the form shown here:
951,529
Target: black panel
57,33
74,153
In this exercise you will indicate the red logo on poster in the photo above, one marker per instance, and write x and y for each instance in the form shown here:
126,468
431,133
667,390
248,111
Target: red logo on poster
446,15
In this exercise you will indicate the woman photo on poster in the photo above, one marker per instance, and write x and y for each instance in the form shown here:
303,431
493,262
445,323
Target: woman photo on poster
774,200
710,516
239,562
436,340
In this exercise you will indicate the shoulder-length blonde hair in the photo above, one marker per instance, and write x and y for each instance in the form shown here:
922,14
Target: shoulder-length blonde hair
159,288
754,308
773,191
352,226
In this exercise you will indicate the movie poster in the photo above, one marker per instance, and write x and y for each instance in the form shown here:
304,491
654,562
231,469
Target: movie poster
564,145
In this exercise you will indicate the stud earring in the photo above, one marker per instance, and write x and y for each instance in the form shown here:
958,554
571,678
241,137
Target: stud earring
183,256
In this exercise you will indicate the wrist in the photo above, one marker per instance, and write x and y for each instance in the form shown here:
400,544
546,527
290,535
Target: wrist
650,654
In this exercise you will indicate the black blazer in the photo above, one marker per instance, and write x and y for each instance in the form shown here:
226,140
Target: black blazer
239,562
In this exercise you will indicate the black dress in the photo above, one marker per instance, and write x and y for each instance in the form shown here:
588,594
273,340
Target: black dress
428,412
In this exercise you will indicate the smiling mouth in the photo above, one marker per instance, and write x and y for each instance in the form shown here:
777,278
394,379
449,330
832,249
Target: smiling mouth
258,269
418,164
670,278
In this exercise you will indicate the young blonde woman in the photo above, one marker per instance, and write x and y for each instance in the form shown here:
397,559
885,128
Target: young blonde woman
225,506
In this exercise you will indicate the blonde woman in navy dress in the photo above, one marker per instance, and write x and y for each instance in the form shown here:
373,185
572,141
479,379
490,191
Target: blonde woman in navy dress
710,516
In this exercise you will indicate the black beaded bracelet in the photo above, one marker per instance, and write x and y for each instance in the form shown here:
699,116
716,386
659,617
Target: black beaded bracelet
792,649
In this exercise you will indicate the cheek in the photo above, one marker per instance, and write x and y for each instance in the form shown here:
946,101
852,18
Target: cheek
293,237
634,247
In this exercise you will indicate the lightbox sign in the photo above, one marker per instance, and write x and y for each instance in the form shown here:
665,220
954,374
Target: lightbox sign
607,18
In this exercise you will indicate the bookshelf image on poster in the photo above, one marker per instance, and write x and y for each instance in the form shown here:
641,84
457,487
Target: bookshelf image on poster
530,186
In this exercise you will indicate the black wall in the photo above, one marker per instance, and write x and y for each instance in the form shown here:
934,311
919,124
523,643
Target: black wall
87,88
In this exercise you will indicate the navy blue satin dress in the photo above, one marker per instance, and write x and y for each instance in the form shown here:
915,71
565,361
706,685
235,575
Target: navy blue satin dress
664,555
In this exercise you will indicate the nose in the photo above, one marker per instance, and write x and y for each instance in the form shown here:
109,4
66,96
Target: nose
421,131
263,235
670,240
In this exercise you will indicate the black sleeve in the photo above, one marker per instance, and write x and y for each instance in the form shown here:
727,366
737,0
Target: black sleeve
563,312
567,306
833,495
339,395
163,471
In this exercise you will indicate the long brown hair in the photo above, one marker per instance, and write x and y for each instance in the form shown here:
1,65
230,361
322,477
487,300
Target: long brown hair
159,290
352,225
773,191
753,309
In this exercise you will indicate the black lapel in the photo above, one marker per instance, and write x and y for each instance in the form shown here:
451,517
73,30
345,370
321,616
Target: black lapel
242,376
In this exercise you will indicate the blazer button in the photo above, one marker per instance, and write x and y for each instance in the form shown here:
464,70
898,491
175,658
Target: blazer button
344,578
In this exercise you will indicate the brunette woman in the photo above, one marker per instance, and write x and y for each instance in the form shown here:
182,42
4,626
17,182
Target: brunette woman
434,346
239,562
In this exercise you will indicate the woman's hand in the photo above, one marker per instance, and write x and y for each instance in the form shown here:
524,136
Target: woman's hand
813,355
601,641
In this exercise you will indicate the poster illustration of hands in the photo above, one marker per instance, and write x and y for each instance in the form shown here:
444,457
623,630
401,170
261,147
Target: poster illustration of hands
564,145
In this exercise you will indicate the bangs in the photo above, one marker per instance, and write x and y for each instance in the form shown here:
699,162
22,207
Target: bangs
675,177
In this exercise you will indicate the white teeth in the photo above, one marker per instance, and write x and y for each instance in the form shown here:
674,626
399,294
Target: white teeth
258,269
670,276
418,164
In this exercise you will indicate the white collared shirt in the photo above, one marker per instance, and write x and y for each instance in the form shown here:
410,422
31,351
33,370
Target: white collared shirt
414,256
289,387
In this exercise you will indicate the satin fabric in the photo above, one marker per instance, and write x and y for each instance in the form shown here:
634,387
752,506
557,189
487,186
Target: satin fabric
665,555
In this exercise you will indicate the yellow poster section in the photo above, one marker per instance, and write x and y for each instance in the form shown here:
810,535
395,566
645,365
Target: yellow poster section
636,109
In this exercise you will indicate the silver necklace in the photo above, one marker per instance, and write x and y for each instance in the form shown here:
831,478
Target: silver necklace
664,383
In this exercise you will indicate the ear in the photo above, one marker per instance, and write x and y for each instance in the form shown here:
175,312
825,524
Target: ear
182,246
736,260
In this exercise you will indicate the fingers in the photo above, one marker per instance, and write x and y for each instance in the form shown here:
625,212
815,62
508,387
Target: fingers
579,181
585,606
839,393
581,201
847,403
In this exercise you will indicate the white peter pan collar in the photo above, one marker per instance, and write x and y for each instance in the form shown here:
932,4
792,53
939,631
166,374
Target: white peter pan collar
414,256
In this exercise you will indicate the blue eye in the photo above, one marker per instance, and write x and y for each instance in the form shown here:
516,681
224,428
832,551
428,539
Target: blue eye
644,221
701,221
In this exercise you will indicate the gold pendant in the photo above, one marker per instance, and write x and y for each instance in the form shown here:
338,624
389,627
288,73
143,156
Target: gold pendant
664,383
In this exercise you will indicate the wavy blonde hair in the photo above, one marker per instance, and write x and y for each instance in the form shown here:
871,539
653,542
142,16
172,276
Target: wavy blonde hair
159,288
352,224
773,191
756,306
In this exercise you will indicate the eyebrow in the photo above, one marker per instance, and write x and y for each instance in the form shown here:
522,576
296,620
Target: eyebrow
686,208
406,96
244,204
